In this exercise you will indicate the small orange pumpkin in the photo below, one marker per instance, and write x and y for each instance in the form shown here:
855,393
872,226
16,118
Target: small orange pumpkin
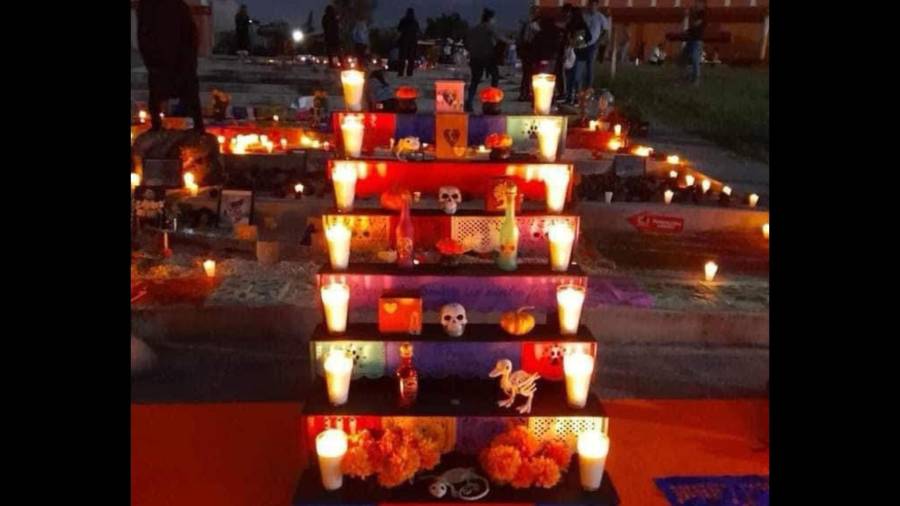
393,199
491,95
518,322
406,93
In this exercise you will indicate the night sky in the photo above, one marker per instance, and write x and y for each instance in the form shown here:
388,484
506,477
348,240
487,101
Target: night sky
389,12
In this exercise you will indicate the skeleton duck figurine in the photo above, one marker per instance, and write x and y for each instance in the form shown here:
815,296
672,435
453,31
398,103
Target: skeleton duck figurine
515,383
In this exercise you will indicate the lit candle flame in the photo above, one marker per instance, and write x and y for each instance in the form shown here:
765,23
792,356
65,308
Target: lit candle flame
726,190
705,185
710,270
689,180
765,230
673,159
135,180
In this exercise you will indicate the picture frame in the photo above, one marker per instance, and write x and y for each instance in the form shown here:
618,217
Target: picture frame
235,207
149,206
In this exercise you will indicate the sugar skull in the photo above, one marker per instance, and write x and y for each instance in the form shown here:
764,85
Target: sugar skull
449,198
453,319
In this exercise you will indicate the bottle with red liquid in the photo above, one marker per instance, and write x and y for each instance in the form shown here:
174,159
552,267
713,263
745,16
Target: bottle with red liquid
407,377
404,234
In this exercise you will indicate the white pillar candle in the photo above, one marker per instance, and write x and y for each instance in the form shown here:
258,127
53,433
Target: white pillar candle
188,178
726,190
705,185
593,447
335,300
607,197
209,267
548,139
135,180
673,159
353,81
578,367
561,238
338,237
338,368
709,270
556,183
765,230
569,301
754,198
673,174
689,180
352,133
542,89
343,176
331,445
667,195
617,129
592,125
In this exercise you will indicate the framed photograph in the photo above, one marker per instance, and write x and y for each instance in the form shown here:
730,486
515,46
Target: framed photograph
235,208
150,206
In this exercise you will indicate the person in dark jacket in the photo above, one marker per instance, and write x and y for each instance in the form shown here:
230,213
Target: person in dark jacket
525,48
481,41
167,40
694,47
242,29
332,29
408,42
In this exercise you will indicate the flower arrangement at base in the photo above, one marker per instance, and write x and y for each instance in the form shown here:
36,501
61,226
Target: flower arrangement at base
451,251
406,99
499,144
517,458
394,457
490,100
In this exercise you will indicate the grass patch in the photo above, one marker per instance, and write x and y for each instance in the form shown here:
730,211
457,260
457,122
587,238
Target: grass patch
729,108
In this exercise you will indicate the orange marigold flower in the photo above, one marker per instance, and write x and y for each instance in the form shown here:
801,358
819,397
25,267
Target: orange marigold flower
558,452
545,472
399,466
429,453
356,463
519,438
524,478
501,463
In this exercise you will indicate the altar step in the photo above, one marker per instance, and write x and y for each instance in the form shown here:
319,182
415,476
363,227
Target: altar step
358,492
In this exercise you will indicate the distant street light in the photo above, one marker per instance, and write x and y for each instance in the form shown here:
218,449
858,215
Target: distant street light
297,35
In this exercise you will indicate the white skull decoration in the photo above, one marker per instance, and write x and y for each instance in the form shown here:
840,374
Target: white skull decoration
453,319
449,198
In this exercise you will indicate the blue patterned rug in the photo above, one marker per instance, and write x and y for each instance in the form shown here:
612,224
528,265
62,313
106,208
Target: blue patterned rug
715,490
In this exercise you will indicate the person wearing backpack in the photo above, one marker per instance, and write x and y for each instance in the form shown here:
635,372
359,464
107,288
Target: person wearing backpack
598,26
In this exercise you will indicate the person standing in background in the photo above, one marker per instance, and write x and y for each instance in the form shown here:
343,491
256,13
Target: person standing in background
598,25
332,29
242,29
408,42
167,40
694,47
580,36
526,52
481,41
361,38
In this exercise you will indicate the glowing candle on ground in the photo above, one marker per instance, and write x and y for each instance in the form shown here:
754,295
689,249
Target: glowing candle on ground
754,198
569,301
548,139
353,81
352,133
689,180
592,125
283,143
593,447
667,195
765,230
343,177
221,139
578,367
142,116
643,151
705,185
556,182
188,178
209,267
617,129
135,180
673,159
331,445
709,270
338,238
193,189
561,238
298,188
607,197
542,88
275,118
338,367
335,299
614,144
726,190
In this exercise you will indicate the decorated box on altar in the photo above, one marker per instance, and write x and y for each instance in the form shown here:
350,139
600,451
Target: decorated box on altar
495,198
400,313
451,136
523,130
449,96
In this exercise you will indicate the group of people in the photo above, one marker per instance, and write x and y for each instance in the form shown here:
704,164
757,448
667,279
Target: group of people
567,46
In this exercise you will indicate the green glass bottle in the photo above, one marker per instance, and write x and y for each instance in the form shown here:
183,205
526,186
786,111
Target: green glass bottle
509,233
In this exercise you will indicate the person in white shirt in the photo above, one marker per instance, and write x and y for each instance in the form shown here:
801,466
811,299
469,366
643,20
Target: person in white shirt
598,25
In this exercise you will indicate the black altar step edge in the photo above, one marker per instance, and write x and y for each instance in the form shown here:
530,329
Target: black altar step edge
367,492
461,212
475,333
457,397
462,270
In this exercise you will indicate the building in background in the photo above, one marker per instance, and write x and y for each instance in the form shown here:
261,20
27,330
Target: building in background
203,19
743,23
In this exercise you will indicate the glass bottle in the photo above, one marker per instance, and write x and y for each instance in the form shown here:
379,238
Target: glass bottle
407,376
509,233
404,233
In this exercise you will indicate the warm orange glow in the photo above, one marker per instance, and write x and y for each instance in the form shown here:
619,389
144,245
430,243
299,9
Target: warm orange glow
642,151
275,118
689,180
726,190
617,129
298,188
614,144
705,185
673,159
754,199
710,270
189,178
673,174
135,180
765,230
142,116
209,267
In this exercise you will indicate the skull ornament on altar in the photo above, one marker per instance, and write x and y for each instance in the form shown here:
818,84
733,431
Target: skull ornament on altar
453,319
449,198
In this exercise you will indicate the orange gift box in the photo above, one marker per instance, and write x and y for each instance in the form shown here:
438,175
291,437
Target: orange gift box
400,313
